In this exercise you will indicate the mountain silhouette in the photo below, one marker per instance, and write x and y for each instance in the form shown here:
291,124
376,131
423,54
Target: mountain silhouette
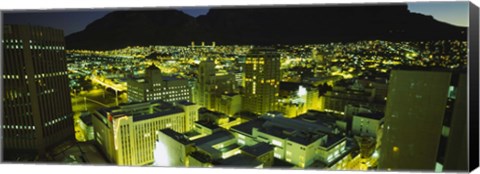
262,26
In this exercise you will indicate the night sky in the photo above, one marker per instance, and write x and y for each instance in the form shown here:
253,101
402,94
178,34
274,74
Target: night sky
455,13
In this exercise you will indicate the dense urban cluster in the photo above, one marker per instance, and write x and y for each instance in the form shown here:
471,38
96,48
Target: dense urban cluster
342,106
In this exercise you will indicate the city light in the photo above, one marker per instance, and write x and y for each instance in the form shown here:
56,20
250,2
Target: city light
161,154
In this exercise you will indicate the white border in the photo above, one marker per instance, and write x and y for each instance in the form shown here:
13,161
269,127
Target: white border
8,5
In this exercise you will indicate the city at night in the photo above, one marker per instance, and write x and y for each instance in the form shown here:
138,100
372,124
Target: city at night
361,87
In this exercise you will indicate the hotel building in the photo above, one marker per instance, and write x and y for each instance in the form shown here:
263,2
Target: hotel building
127,133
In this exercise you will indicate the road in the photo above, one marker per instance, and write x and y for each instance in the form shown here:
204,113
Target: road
90,101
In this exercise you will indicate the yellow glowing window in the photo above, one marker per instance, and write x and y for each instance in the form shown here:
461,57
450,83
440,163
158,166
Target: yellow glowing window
396,149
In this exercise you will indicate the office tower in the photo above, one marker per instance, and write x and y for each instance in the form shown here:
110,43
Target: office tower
205,84
212,86
127,133
425,122
154,86
37,111
262,79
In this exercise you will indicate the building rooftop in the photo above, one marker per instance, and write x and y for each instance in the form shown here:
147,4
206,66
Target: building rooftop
239,160
185,103
289,86
209,125
374,115
86,118
141,110
158,113
305,139
176,136
204,158
207,143
246,115
247,127
280,132
332,140
277,163
214,138
301,125
257,149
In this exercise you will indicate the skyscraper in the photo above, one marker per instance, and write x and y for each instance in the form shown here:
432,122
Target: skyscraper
36,100
425,122
211,85
206,76
262,79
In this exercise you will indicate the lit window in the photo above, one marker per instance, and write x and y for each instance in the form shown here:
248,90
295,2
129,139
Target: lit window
277,143
396,149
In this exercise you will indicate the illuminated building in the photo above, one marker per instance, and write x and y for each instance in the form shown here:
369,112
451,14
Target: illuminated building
367,124
86,126
301,141
262,79
297,98
313,99
229,104
220,144
37,111
172,148
154,86
127,133
337,99
211,85
261,151
291,109
206,84
214,117
239,160
425,122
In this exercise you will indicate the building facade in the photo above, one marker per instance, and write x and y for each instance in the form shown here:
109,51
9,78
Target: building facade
212,87
425,122
262,80
127,133
37,110
154,86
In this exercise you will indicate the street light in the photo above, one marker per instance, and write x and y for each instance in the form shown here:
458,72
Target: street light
85,102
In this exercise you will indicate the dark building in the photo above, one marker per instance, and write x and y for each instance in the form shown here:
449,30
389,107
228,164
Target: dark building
425,122
262,80
36,100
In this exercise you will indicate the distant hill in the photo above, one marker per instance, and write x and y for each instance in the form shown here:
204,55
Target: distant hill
262,26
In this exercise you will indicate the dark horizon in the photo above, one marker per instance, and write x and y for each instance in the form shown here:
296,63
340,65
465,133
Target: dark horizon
72,21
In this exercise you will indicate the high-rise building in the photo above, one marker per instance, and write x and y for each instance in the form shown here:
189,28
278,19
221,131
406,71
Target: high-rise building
425,122
37,111
262,79
205,83
127,133
154,86
212,85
